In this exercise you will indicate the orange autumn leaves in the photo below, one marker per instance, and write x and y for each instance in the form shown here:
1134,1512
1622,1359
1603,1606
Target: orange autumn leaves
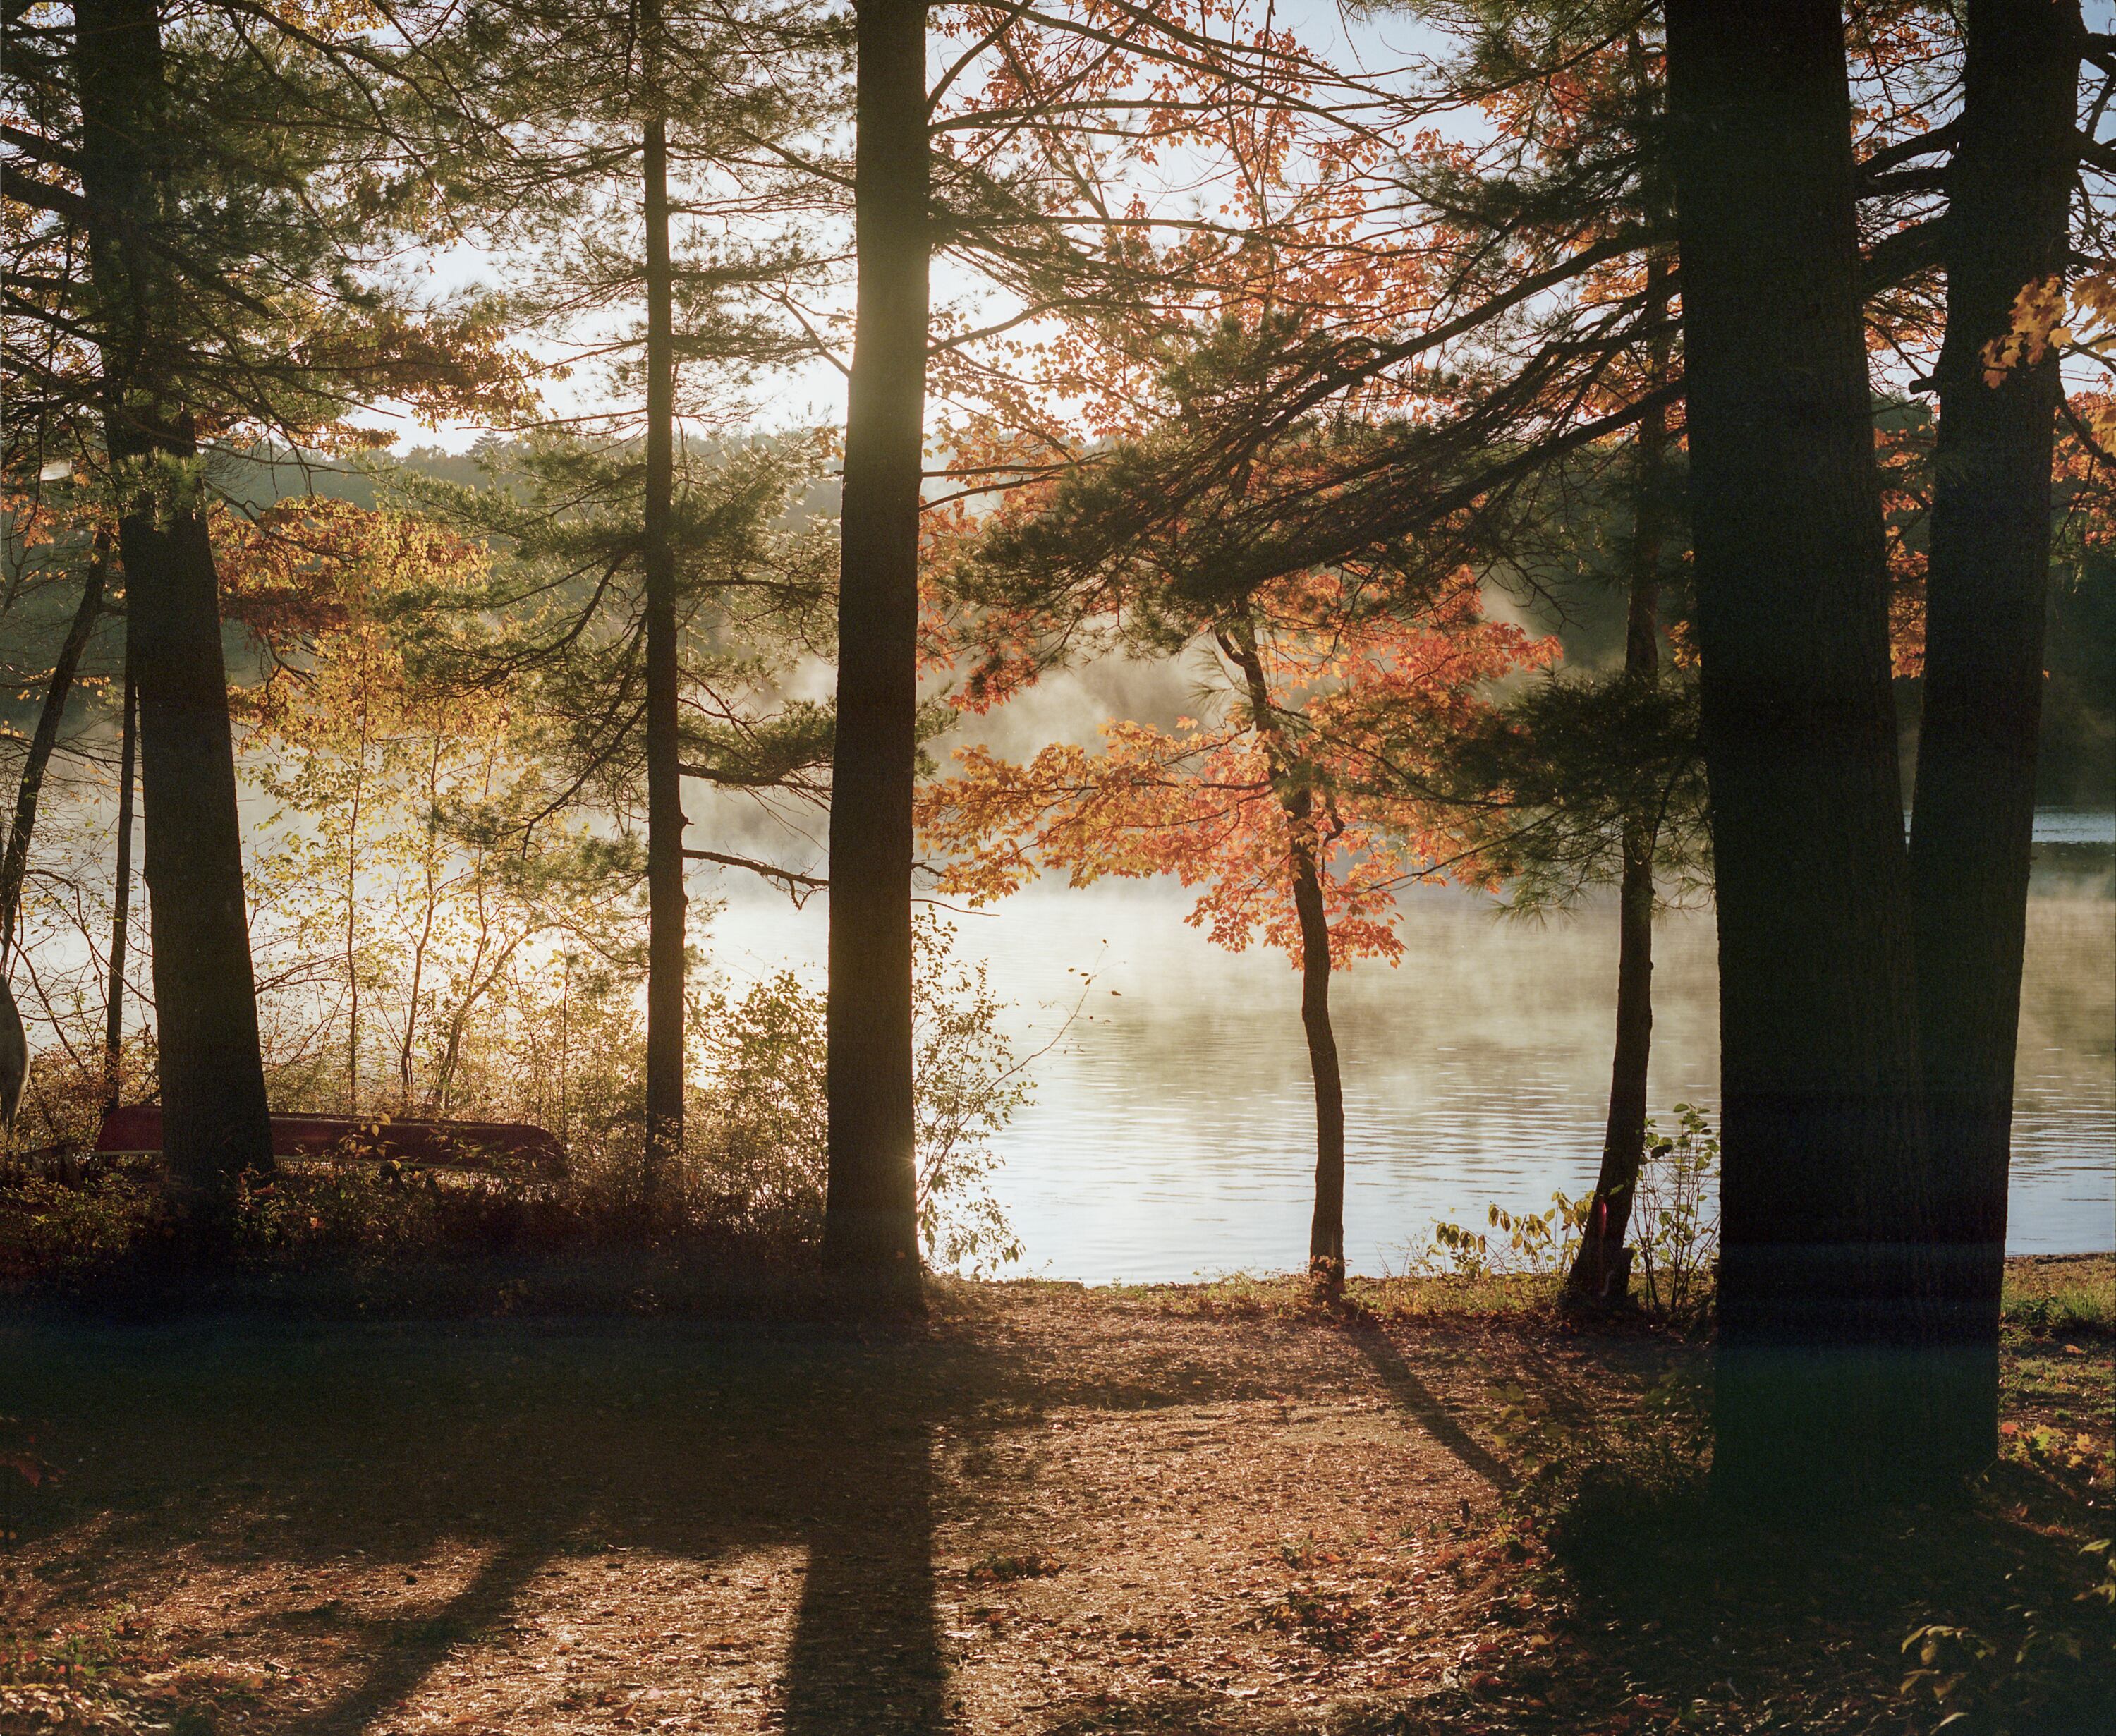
324,589
1357,711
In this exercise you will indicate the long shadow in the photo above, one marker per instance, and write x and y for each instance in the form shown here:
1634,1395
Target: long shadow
312,1447
865,1653
416,1647
1424,1406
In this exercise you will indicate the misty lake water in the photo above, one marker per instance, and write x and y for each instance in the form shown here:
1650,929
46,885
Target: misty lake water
1172,1130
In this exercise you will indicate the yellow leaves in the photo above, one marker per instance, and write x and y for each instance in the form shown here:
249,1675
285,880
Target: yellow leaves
439,365
329,18
2037,311
311,579
2047,317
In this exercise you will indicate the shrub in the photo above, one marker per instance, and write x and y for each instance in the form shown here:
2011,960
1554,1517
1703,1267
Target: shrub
1674,1227
64,1225
752,1168
760,1118
1675,1220
1526,1244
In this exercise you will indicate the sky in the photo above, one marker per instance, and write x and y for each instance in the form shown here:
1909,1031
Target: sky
813,394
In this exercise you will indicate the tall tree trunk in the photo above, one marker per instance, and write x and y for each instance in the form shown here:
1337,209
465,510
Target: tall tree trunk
664,795
1326,1231
1601,1272
1821,1305
871,1221
213,1116
1987,579
121,898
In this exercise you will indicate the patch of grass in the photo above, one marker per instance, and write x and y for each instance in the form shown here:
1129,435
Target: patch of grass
2063,1296
1307,1554
1499,1295
1236,1296
1254,1296
76,1651
108,1679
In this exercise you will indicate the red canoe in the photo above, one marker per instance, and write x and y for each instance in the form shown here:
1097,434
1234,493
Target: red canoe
426,1144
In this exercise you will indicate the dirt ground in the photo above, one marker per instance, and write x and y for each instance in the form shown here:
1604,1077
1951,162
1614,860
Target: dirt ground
1044,1510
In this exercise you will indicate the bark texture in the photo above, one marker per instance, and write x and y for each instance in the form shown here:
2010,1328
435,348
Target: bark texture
214,1121
666,895
870,1218
121,900
1822,1311
2009,191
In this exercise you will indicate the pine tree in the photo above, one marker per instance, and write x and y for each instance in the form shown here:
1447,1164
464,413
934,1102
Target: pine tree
2008,231
871,1225
616,149
1822,1299
221,178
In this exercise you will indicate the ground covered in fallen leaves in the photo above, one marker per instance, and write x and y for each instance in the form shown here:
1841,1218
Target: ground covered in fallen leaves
1218,1510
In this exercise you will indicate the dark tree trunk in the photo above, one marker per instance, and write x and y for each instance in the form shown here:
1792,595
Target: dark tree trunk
1822,1273
1601,1272
214,1121
121,900
15,863
1987,576
870,1221
664,794
1326,1234
213,1116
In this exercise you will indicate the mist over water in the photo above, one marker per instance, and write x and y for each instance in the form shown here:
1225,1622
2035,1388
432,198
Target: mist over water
1172,1132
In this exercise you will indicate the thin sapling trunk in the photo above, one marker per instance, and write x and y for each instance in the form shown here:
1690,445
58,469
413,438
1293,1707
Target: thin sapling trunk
1326,1234
1601,1272
15,861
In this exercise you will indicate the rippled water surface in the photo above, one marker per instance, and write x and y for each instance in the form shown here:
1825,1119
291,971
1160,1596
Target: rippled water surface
1173,1129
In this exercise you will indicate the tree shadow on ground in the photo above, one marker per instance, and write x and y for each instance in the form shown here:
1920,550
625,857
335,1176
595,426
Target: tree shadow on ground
408,1654
1423,1405
510,1449
866,1653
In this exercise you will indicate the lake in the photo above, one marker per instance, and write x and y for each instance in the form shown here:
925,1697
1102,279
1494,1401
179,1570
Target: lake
1172,1132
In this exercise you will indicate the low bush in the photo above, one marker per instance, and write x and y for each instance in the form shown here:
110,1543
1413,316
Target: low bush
751,1172
1674,1231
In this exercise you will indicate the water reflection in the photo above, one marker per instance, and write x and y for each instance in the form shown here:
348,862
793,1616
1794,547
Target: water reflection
1172,1132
